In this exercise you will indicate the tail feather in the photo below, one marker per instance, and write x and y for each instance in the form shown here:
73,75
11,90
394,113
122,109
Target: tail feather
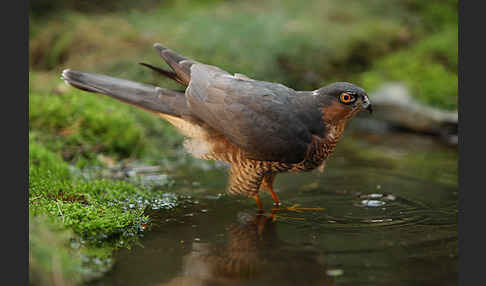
167,73
149,97
180,64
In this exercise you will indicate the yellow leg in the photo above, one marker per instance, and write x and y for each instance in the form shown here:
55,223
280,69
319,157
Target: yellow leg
267,183
258,202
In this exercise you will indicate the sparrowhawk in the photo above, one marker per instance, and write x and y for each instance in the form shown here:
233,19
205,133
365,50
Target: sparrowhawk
261,128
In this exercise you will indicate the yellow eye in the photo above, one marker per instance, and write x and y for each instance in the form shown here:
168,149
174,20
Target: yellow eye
346,97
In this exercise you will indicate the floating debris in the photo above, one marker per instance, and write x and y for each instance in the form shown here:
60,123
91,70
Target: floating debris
375,196
390,197
379,220
372,203
372,200
334,272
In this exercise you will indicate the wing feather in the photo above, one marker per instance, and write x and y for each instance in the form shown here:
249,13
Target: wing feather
262,118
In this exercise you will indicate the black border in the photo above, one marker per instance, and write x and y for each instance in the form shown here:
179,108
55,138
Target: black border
14,138
471,159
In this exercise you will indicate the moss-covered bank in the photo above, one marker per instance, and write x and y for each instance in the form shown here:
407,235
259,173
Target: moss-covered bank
76,223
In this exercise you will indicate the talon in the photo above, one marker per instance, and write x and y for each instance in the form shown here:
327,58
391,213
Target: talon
274,217
311,209
293,208
296,208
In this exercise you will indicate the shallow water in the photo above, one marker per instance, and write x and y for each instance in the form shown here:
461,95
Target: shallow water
389,218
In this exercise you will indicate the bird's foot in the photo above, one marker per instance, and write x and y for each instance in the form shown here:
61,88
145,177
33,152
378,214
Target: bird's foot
274,217
296,208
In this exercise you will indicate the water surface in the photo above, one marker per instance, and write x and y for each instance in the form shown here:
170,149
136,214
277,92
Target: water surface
389,218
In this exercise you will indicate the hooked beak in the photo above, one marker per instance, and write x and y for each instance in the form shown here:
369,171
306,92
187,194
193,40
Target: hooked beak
366,104
370,110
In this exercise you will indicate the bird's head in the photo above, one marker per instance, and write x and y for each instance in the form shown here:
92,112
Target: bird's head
341,101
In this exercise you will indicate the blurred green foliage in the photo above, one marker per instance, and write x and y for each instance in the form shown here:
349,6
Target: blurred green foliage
50,260
303,46
434,14
80,126
77,125
46,8
429,68
280,43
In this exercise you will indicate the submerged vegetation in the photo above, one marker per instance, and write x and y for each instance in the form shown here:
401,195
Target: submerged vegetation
75,222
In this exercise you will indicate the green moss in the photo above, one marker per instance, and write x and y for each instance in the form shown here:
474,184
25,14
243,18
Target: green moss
45,163
90,208
85,124
81,125
102,215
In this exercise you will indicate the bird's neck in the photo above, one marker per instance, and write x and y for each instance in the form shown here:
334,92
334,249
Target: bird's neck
334,131
324,146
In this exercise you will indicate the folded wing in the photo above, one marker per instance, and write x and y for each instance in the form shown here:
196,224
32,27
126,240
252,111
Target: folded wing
266,120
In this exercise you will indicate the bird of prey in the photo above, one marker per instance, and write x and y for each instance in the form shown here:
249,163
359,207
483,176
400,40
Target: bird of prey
261,128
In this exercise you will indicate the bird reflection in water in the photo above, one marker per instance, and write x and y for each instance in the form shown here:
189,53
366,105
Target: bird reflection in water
253,255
